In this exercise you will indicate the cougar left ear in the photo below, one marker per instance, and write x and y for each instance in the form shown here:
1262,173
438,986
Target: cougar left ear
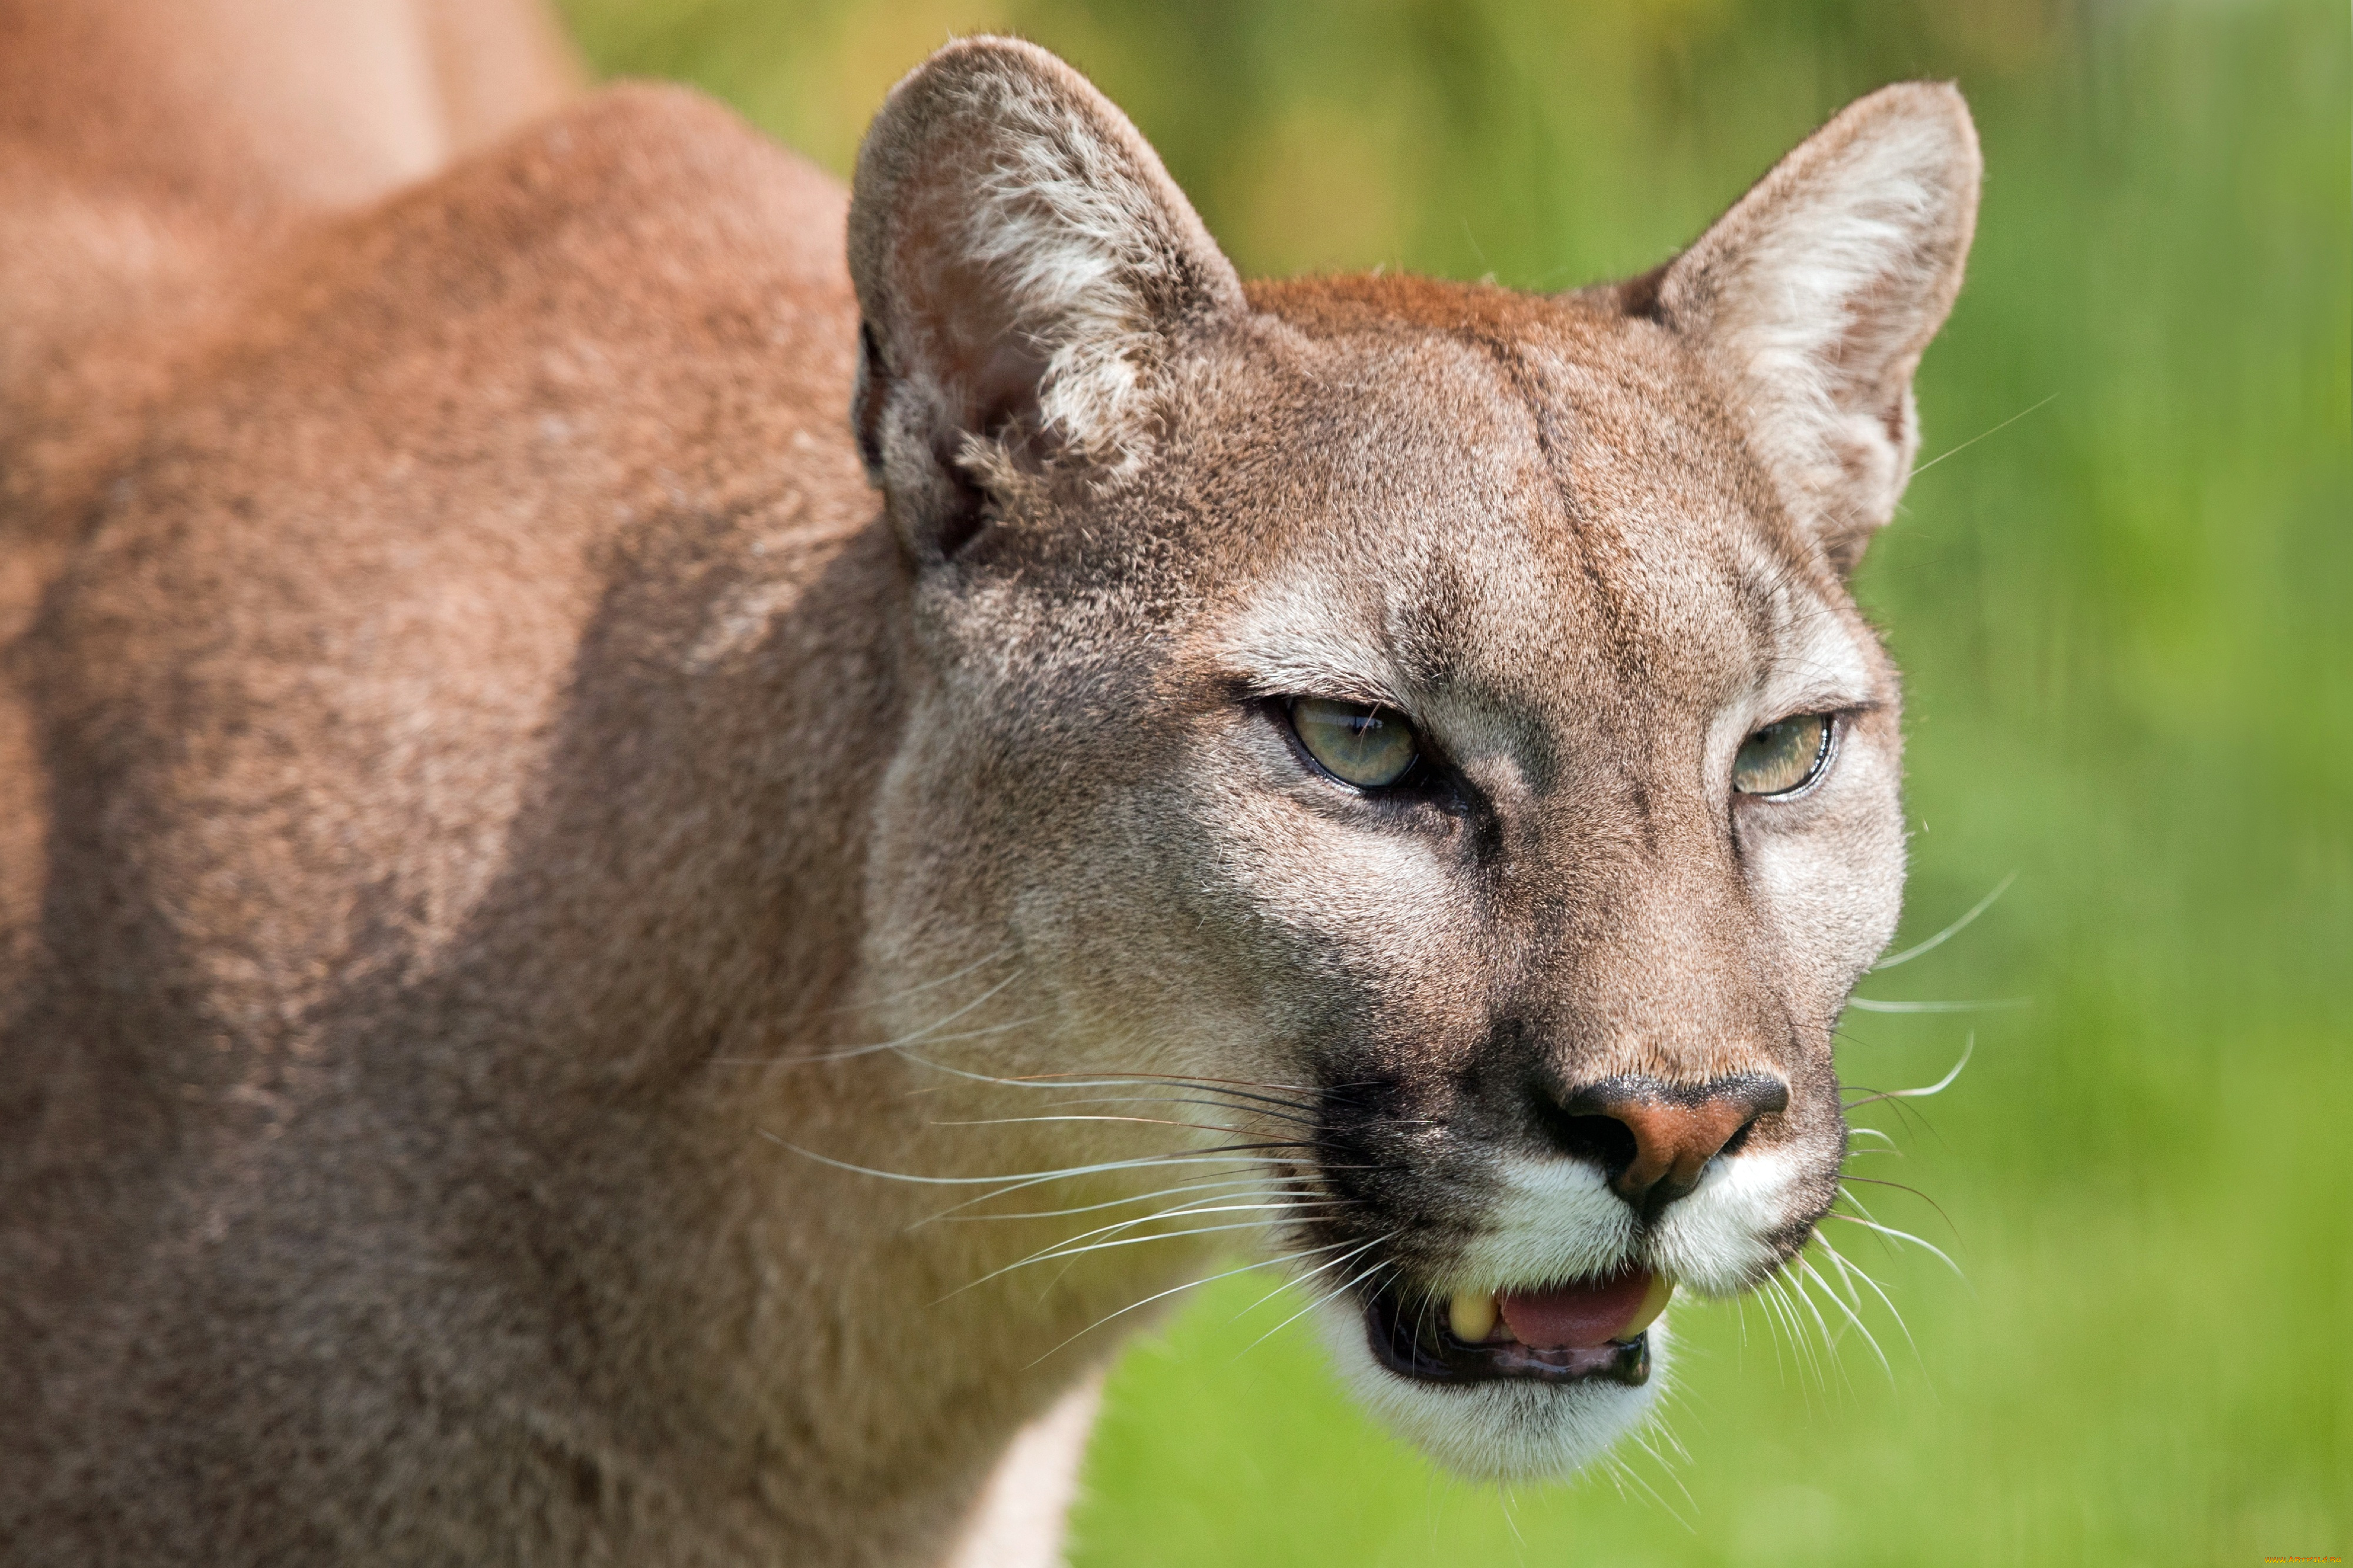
1027,271
1817,293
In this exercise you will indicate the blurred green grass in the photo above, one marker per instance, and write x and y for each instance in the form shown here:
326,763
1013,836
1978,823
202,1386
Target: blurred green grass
2125,604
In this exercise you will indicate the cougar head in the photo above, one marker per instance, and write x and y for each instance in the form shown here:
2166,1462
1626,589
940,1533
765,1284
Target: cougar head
1427,719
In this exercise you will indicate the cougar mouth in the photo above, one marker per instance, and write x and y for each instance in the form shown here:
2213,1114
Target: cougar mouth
1585,1330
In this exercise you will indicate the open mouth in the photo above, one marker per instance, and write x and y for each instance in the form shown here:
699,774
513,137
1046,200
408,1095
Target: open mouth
1563,1333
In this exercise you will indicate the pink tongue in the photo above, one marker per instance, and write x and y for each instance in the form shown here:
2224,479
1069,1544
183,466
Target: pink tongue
1589,1312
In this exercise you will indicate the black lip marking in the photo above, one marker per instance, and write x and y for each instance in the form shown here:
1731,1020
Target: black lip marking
1419,1344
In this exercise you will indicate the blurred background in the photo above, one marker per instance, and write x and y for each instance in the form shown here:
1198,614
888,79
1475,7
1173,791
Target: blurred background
2122,587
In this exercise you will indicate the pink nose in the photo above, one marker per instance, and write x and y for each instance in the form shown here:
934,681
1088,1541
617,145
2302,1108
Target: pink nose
1655,1138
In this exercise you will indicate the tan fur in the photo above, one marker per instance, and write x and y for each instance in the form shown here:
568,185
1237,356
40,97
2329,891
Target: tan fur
498,819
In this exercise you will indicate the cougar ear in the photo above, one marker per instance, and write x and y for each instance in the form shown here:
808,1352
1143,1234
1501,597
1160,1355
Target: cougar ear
1026,270
1817,293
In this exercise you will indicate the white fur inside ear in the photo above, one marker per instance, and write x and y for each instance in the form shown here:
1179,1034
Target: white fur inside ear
1818,290
1024,260
1061,235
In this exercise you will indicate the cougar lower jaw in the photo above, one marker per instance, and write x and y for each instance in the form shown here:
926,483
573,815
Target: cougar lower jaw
1591,1329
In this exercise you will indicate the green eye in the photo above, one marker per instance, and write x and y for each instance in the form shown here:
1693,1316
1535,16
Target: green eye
1368,747
1782,757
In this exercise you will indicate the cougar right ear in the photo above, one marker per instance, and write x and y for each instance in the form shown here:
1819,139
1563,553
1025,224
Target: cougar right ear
1817,293
1026,271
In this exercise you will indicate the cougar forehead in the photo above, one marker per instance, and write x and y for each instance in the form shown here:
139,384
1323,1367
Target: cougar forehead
1513,495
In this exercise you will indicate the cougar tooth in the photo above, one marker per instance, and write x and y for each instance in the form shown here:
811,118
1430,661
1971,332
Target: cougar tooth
1654,1301
1471,1315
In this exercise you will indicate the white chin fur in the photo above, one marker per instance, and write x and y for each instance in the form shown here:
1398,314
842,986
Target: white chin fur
1494,1431
1554,1220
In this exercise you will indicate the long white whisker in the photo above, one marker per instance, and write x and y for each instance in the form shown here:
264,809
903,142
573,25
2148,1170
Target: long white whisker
1829,1346
1802,1349
1852,1316
1991,1004
1138,1121
1969,1049
1198,1187
1938,940
1238,1162
1190,1284
1855,1271
1301,1280
1664,1468
1131,1080
926,1031
890,998
1058,1254
1024,1179
791,1058
1183,1099
1980,436
1069,1244
1901,1236
1334,1294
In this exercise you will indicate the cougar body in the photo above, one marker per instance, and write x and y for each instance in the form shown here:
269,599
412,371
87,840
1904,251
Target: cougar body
598,737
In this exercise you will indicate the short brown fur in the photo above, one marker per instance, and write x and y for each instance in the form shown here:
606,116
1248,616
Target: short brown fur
484,779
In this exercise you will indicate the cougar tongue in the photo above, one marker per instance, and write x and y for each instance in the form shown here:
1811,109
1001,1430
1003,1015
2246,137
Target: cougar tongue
1587,1313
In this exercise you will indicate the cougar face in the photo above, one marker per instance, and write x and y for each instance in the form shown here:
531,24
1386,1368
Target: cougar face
1426,711
579,780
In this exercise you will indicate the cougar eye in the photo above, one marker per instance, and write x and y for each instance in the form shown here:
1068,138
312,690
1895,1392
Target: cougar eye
1784,756
1365,746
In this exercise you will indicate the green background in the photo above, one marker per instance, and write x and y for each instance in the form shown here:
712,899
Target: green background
2122,607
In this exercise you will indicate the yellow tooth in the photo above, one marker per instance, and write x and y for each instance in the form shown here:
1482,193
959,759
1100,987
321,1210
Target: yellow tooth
1471,1315
1654,1301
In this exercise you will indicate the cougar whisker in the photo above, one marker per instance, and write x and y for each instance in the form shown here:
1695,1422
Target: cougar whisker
1240,1088
1205,1186
1027,1178
1189,1209
892,998
1034,1181
1852,1316
1989,1004
1951,451
849,1052
1980,907
1942,1084
1178,1289
1137,1121
1803,1346
1894,1234
1334,1294
1855,1271
1247,1107
1060,1253
1900,1187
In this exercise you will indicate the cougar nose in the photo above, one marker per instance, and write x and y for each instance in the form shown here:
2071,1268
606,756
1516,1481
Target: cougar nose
1655,1138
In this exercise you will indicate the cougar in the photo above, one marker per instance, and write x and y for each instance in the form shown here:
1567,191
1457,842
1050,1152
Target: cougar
671,838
